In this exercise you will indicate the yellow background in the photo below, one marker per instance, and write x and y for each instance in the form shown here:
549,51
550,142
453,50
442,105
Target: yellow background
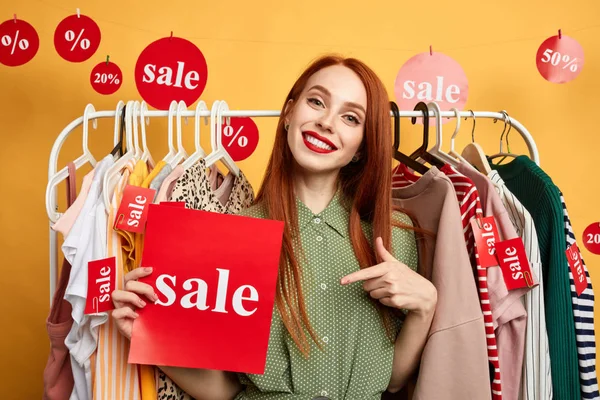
255,50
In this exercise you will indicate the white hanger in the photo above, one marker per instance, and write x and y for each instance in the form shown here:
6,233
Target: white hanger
146,156
111,177
436,150
136,139
116,135
475,155
452,151
501,153
219,152
181,154
172,152
199,153
86,157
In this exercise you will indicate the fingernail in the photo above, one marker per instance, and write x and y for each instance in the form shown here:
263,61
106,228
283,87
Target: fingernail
343,282
135,315
148,269
143,303
154,296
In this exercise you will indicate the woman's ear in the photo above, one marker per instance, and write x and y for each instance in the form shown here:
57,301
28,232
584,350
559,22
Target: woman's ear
287,110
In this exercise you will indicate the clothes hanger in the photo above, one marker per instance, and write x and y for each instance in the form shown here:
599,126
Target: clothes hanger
421,152
136,139
501,153
111,177
83,159
117,151
219,152
436,149
146,156
473,153
452,151
171,154
199,153
398,155
181,154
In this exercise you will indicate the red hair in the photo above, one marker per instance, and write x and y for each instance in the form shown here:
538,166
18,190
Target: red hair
366,186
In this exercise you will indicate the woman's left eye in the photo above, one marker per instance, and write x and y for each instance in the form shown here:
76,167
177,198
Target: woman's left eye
316,102
352,119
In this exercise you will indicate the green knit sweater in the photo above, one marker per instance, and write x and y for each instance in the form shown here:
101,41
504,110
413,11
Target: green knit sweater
534,188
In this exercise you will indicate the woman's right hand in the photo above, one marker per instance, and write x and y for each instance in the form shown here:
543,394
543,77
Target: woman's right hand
128,300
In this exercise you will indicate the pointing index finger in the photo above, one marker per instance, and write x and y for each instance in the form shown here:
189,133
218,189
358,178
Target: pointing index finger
364,274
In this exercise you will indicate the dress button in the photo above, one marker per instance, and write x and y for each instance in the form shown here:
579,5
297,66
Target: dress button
323,393
319,238
323,286
326,339
317,220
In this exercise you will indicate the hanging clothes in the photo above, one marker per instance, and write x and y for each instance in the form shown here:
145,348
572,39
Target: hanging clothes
166,188
509,314
454,364
159,179
85,242
66,221
583,310
536,191
58,376
114,377
470,207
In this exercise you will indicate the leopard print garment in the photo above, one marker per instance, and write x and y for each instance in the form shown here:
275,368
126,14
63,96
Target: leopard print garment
194,188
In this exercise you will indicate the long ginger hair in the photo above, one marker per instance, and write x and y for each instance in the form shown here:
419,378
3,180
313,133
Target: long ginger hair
366,186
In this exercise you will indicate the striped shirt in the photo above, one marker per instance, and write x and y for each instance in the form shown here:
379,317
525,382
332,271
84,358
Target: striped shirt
114,377
536,382
583,310
470,207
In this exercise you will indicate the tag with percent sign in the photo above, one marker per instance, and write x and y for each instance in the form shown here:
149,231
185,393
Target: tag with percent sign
591,238
240,138
106,78
431,76
559,59
19,42
77,38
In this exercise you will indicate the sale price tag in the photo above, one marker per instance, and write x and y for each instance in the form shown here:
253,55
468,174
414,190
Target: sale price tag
240,138
514,264
560,59
133,210
170,69
576,265
486,236
101,284
106,78
429,77
77,38
19,42
591,238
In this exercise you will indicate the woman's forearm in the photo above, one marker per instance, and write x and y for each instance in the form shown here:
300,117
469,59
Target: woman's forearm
205,384
408,348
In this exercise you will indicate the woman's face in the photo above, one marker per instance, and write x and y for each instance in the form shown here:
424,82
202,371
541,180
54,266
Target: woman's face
326,123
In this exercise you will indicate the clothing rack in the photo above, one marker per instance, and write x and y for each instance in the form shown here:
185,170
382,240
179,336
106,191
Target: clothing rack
53,163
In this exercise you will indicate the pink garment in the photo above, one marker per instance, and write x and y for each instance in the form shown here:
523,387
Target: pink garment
454,363
168,184
510,316
66,221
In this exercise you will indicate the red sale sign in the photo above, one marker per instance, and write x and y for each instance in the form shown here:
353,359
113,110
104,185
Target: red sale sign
429,77
106,78
591,238
559,59
19,42
101,284
215,279
514,264
240,138
170,69
77,38
576,265
133,210
486,235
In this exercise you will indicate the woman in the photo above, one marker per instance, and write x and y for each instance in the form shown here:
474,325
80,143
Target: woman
329,179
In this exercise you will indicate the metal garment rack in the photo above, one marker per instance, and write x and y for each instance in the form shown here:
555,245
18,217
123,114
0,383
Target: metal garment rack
62,137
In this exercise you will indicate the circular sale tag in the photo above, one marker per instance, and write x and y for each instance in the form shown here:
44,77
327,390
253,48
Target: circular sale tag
559,59
77,38
106,78
431,77
19,42
170,69
240,138
591,237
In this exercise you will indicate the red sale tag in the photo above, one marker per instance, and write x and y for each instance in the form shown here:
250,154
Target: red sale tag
170,69
240,138
101,284
77,38
133,210
591,238
514,264
215,279
106,78
19,42
575,263
560,59
431,76
486,236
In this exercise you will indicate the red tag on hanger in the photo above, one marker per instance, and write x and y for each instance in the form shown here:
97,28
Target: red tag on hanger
133,210
180,204
514,264
486,236
575,263
101,284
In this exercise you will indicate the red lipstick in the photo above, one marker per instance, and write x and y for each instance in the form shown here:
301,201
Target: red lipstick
315,148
